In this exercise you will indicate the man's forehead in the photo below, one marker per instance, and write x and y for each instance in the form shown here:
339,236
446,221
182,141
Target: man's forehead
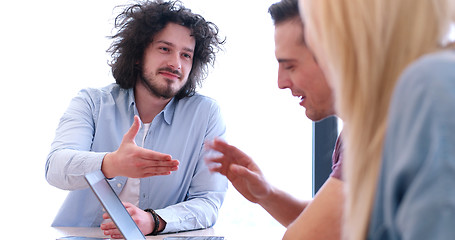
289,31
288,44
170,44
174,33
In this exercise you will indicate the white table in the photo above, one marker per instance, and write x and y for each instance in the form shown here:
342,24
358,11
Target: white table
96,232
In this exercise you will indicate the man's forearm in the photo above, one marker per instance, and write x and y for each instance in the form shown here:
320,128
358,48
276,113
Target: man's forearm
66,168
188,215
282,206
325,209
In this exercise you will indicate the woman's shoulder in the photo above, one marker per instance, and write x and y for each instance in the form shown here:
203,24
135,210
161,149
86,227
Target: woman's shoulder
437,65
431,71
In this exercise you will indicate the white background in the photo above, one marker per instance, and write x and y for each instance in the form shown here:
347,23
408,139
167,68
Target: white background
51,49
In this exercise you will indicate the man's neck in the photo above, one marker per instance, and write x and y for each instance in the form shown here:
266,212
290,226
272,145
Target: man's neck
148,105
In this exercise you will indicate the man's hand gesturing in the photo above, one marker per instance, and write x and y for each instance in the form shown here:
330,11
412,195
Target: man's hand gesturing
132,161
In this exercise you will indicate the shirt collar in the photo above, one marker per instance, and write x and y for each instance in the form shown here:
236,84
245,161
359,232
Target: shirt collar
168,111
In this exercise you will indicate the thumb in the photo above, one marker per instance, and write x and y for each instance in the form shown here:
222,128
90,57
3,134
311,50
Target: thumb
132,132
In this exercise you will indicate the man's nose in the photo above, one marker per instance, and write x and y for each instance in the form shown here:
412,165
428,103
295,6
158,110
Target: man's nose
174,61
283,80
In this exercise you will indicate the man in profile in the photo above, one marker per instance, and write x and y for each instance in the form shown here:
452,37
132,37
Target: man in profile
319,218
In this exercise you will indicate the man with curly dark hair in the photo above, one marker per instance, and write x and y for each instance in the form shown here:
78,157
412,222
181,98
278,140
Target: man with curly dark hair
147,125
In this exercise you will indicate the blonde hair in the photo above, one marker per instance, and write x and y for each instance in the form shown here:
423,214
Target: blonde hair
364,46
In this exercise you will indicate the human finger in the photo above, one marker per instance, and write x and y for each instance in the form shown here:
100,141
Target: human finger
219,151
115,234
222,165
158,169
217,159
216,144
130,208
132,132
154,171
217,168
109,229
108,226
227,149
151,155
127,205
158,165
214,159
151,162
106,216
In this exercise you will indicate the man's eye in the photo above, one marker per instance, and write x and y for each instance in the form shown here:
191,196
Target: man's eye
289,67
165,49
186,55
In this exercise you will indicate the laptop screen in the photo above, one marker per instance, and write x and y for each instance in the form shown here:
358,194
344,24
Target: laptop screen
112,204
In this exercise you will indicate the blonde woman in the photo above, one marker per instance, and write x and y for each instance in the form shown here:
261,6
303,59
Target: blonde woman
370,51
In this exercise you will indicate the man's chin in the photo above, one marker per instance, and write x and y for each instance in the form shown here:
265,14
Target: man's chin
167,93
315,117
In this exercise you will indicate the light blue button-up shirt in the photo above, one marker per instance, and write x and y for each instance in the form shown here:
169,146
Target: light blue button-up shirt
94,124
415,197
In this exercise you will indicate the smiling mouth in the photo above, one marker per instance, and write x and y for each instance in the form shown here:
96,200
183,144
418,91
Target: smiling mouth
302,100
169,73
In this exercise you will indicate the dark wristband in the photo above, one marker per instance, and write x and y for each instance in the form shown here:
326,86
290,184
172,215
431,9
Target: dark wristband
156,219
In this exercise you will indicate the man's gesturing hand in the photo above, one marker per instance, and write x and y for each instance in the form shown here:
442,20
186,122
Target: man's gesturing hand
132,161
240,169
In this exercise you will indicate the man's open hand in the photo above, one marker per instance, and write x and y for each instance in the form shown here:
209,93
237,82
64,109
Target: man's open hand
132,161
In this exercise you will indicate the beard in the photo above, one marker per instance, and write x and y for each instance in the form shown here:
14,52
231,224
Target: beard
166,91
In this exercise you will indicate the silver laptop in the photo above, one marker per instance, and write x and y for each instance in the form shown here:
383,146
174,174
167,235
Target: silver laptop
110,201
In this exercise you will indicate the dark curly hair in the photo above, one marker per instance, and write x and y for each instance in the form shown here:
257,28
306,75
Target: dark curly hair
138,24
